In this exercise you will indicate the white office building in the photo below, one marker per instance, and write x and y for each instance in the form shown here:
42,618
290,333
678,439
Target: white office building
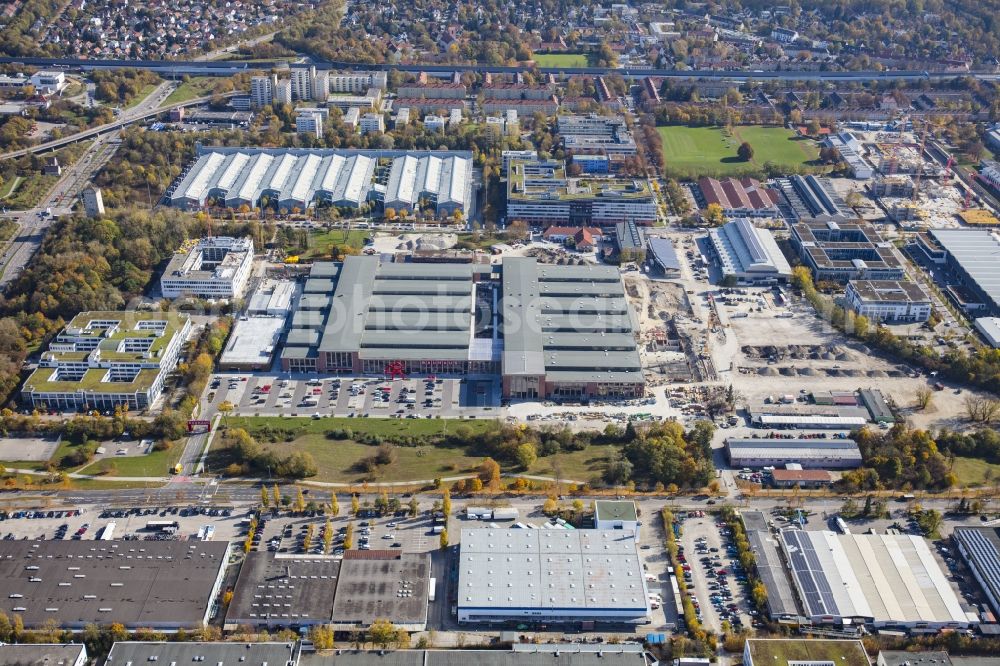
357,83
434,123
310,123
372,123
890,301
321,85
283,91
210,268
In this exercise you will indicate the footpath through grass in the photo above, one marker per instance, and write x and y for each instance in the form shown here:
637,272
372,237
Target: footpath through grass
691,152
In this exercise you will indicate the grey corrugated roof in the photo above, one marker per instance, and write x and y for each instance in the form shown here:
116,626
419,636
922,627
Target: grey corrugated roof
278,589
44,654
350,305
977,252
663,253
216,654
163,584
563,654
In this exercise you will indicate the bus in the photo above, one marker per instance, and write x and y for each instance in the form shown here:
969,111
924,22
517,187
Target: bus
162,525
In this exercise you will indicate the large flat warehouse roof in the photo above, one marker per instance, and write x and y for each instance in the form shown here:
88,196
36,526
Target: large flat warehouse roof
881,579
977,251
157,584
555,570
275,589
383,584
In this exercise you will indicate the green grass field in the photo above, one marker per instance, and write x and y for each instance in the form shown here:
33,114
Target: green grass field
338,460
196,87
690,152
561,59
320,242
10,187
972,472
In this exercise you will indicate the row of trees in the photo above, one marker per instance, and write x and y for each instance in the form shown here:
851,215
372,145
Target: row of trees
980,368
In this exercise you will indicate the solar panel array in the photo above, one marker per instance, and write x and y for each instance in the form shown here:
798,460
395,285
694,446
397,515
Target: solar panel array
983,553
808,572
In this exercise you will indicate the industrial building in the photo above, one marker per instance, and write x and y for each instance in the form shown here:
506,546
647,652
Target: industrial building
568,332
279,590
809,453
980,548
843,251
851,151
616,515
124,653
365,317
748,254
551,576
160,585
989,328
104,360
877,406
213,267
800,478
969,257
662,256
889,301
541,193
813,199
299,178
770,566
43,654
550,331
740,197
520,654
884,581
252,343
382,584
799,652
595,135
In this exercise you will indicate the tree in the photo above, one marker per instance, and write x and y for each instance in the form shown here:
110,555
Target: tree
384,633
443,540
526,455
475,484
355,506
446,503
713,215
321,636
334,505
414,505
349,537
264,498
813,128
745,151
517,230
300,500
225,407
923,397
276,496
489,472
327,536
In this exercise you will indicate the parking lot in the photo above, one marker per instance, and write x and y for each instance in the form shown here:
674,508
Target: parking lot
712,572
268,395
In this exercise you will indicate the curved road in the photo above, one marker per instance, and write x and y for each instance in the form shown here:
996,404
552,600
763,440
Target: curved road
126,119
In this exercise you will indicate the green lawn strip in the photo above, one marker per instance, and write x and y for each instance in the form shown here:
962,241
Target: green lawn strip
972,471
561,59
198,87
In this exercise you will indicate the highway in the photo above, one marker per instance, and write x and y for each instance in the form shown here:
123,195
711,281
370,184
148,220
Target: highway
140,112
224,67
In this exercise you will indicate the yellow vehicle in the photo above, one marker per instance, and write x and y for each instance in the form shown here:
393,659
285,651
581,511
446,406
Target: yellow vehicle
178,468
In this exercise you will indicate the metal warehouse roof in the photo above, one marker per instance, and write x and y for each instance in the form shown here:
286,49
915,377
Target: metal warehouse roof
878,578
284,589
42,654
158,584
550,569
744,249
564,654
663,253
977,251
217,654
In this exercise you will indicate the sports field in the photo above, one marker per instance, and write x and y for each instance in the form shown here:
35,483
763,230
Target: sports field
561,59
690,152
